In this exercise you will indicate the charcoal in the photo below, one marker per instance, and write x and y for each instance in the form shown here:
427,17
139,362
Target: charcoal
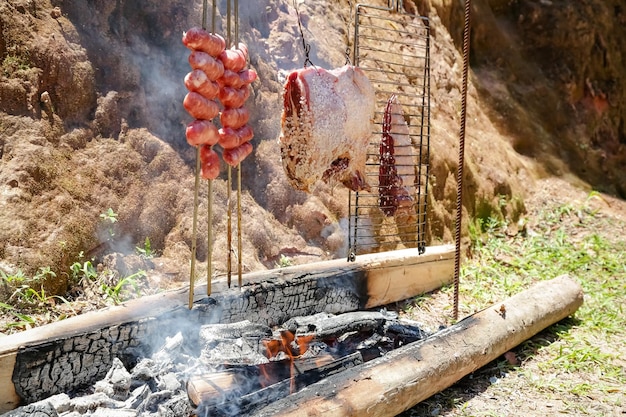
38,409
242,351
175,407
169,352
236,343
305,324
93,401
168,382
236,330
145,370
138,396
155,399
121,412
327,328
116,384
60,402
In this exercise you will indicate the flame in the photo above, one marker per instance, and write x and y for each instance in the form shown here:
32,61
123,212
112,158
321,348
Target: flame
293,347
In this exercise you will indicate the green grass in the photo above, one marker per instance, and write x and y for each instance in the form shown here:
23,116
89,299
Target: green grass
579,360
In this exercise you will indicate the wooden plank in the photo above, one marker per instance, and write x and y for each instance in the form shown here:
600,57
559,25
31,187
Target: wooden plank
8,397
397,381
402,277
333,286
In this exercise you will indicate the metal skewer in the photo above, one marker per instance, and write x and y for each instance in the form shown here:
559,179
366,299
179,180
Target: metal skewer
232,33
194,246
209,245
229,231
239,243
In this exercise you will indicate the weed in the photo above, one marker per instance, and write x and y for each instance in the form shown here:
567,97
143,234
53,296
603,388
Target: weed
84,271
118,292
110,218
13,64
283,262
146,251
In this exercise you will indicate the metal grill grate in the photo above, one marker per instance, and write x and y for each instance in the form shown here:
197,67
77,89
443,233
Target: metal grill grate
393,48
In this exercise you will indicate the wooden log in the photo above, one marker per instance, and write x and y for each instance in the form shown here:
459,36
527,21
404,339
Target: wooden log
397,381
68,354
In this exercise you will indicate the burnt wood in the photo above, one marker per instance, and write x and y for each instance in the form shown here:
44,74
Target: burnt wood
75,352
402,378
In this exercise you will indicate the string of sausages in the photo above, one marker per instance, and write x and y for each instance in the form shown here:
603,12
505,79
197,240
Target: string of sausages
218,75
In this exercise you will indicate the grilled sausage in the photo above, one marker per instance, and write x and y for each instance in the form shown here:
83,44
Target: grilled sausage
234,117
212,67
209,162
198,81
201,40
234,156
232,138
202,132
199,107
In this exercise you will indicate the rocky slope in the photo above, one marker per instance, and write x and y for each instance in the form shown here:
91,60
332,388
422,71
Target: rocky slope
91,119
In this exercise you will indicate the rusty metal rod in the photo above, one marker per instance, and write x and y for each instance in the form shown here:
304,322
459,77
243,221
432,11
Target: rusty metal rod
459,176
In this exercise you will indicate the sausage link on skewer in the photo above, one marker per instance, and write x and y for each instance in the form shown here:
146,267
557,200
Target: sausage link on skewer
212,67
209,162
198,81
199,107
231,138
234,156
234,117
200,40
202,132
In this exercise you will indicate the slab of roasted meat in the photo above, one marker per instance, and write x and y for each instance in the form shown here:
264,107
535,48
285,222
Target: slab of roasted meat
326,126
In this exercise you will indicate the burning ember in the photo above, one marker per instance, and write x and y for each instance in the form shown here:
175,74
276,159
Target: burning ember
234,369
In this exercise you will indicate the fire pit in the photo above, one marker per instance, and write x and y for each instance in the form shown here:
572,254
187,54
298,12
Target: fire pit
363,362
67,356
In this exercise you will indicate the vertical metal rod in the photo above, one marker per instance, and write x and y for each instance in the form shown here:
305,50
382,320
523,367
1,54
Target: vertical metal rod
209,238
239,243
229,229
194,227
194,230
459,177
425,106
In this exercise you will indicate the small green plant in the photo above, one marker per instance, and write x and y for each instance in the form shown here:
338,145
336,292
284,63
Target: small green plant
284,261
146,251
109,217
28,292
83,271
13,64
118,292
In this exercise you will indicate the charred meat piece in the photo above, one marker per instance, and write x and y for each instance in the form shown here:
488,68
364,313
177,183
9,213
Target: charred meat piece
326,126
396,170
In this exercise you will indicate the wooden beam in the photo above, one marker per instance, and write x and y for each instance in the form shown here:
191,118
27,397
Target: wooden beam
397,381
268,297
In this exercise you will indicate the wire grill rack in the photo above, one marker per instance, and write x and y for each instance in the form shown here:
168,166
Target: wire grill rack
392,47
